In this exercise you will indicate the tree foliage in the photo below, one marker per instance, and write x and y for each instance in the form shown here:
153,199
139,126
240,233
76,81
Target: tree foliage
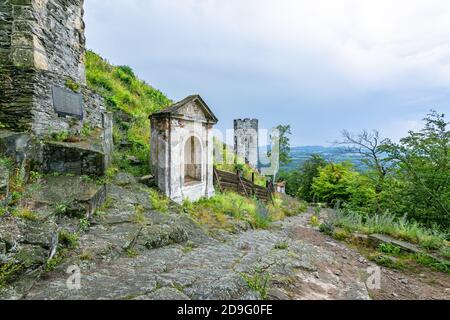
299,182
423,167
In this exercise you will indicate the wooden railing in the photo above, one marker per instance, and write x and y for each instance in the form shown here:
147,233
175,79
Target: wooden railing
225,180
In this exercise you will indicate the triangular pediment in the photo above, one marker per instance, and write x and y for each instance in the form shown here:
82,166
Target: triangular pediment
191,108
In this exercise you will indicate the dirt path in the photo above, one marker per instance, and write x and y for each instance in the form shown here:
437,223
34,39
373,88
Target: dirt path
173,258
395,285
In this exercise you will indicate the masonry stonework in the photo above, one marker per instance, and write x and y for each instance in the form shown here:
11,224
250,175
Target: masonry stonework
182,149
42,47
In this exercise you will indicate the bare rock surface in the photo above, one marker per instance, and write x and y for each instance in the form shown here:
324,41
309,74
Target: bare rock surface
169,256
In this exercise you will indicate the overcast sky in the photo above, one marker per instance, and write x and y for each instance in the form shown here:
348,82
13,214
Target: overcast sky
320,66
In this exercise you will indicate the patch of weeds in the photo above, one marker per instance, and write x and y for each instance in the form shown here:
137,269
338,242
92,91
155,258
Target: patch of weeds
86,130
389,248
139,216
158,201
428,261
340,234
72,85
8,271
86,256
87,179
186,206
132,253
60,136
16,196
3,211
84,224
283,245
317,209
61,209
17,181
35,176
326,228
258,282
54,262
26,214
68,239
189,247
445,251
386,261
431,243
315,222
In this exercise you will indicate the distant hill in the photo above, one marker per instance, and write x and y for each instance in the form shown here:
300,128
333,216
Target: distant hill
335,154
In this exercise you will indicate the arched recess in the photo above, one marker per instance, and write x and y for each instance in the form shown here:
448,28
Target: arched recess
192,161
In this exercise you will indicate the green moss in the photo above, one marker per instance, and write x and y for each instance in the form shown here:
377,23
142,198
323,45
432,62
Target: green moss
72,85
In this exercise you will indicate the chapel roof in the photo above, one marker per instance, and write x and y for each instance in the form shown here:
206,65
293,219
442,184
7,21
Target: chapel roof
174,108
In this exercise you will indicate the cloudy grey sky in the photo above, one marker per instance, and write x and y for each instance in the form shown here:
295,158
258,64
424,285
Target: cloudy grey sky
320,66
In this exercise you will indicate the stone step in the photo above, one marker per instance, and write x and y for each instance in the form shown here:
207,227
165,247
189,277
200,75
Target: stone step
377,239
75,158
80,196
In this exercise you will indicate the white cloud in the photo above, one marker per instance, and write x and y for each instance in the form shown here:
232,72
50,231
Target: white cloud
312,53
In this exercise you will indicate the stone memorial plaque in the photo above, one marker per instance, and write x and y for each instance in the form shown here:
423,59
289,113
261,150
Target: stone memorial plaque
67,103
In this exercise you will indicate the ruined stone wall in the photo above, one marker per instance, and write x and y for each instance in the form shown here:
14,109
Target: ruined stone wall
46,35
5,31
42,45
246,141
159,153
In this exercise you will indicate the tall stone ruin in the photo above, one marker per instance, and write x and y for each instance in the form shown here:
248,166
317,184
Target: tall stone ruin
246,141
43,89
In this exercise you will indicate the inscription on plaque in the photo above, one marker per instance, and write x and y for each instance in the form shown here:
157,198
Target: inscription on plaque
67,103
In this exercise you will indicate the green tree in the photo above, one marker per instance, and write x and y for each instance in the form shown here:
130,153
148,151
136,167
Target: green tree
284,131
423,167
368,145
299,182
339,183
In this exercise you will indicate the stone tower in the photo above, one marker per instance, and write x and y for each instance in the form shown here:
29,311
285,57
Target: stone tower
42,77
246,141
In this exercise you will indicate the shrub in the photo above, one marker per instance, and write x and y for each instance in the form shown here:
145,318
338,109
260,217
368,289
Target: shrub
326,228
314,221
340,234
389,249
68,239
